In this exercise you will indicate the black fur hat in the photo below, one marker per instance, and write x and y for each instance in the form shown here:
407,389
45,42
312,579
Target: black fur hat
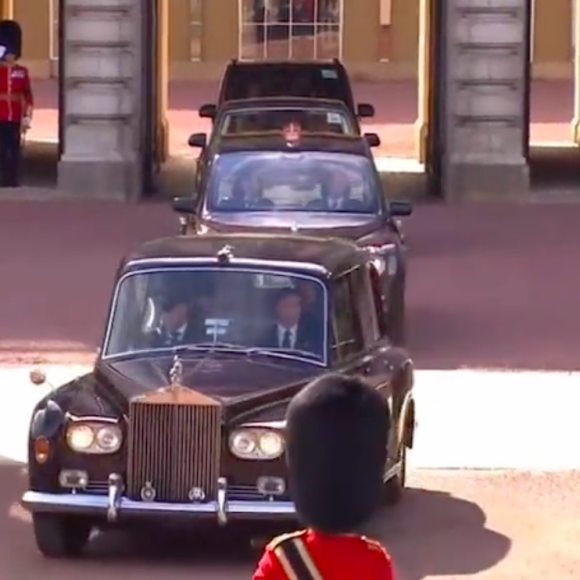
337,430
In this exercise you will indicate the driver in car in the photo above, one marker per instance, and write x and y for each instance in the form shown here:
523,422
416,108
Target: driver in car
247,194
336,195
289,331
176,326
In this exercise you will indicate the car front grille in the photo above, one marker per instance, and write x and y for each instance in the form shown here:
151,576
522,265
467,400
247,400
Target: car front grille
173,448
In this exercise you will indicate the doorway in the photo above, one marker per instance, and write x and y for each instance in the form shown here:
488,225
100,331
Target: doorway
553,147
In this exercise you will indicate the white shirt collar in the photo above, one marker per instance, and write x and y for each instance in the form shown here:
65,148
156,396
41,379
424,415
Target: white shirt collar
282,331
179,332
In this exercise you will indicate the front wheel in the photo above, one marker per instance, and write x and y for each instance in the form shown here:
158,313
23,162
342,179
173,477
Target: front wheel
60,536
394,487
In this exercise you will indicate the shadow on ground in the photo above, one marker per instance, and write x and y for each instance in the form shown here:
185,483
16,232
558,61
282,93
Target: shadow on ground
433,533
429,534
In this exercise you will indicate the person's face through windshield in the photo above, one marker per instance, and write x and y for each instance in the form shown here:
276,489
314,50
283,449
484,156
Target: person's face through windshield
175,316
337,185
289,309
246,187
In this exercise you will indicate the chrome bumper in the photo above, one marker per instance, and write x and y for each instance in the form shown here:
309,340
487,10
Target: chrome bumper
99,505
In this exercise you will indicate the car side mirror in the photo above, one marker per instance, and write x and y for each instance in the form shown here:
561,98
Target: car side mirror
207,111
365,110
198,140
37,377
399,208
372,139
187,205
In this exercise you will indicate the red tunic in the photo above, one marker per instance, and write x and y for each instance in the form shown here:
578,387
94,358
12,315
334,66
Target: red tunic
15,92
337,557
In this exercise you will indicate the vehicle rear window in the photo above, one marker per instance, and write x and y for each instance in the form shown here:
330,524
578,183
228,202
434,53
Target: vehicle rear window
320,82
255,119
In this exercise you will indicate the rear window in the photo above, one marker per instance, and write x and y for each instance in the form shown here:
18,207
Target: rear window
319,82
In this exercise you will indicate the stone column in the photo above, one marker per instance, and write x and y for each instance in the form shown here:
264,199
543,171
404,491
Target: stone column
576,118
486,90
424,89
102,84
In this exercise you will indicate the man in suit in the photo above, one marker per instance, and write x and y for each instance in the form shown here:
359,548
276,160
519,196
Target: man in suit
336,195
290,331
177,326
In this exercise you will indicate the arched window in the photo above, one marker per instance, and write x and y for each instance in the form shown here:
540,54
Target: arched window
290,29
196,23
54,10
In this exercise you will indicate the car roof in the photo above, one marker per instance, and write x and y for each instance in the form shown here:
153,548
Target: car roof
274,141
271,102
327,256
287,64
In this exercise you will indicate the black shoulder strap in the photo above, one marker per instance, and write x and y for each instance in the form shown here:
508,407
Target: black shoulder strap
296,560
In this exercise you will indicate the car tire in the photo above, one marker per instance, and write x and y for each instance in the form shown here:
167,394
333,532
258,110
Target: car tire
394,487
60,536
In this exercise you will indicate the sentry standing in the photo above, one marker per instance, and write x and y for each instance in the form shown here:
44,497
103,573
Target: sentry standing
16,105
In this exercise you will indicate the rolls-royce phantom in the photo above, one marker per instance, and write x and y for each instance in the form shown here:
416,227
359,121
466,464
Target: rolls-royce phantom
206,340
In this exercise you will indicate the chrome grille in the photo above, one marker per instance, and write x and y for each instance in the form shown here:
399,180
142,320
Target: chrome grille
173,448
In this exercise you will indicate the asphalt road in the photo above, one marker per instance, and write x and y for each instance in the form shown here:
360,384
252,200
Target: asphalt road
490,287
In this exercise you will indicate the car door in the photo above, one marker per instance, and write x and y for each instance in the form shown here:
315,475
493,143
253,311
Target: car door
359,344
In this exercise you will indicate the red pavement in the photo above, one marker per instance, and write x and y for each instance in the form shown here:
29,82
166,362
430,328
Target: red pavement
395,102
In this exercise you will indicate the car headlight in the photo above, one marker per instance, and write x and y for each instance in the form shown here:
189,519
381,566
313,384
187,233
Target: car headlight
256,444
95,438
385,258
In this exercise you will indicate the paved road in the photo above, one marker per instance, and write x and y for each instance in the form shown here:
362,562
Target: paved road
491,287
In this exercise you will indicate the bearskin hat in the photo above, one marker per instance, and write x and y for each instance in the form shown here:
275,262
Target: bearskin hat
337,430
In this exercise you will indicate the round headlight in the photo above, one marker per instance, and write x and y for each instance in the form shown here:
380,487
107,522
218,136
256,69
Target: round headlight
243,443
80,437
108,439
271,444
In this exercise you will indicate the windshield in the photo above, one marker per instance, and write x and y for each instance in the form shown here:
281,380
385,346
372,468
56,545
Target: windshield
301,181
275,119
162,309
315,81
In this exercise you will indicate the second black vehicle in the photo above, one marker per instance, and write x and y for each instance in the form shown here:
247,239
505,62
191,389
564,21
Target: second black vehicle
314,184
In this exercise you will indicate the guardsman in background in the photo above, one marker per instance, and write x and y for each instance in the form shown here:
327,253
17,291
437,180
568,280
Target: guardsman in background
336,440
16,104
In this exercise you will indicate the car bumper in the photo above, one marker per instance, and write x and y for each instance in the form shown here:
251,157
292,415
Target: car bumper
123,508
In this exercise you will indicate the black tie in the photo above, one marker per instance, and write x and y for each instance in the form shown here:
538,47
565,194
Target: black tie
287,339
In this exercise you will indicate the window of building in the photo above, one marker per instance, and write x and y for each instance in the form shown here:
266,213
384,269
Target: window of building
385,30
290,29
196,26
54,11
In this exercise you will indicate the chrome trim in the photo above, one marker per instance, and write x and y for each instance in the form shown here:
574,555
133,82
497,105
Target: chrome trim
222,506
92,419
403,417
114,496
278,272
97,505
250,262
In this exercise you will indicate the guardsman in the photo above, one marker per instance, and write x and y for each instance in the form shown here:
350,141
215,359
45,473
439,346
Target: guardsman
336,440
16,104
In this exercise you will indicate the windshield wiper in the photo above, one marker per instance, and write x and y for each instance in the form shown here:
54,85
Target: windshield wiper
287,354
223,346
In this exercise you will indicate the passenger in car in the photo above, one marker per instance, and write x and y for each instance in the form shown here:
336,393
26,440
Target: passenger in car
336,195
289,330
